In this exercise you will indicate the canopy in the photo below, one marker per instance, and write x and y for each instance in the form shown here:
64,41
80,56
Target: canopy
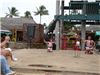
97,33
6,32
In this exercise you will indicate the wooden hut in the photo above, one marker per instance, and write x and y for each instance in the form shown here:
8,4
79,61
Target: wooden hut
18,27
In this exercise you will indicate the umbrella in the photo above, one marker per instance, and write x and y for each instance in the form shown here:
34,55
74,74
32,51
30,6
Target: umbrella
6,32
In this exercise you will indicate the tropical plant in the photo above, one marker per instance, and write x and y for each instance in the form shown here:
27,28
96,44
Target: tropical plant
12,12
68,26
28,15
41,11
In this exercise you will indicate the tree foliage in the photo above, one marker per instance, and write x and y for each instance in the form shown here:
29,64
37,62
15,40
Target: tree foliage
28,15
41,11
12,12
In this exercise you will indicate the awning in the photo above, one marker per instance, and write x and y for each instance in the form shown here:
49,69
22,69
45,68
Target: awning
5,32
97,33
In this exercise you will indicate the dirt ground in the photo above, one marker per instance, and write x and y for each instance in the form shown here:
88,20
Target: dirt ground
58,62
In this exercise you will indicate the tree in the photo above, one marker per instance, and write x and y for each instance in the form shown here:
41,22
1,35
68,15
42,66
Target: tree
41,11
28,15
12,12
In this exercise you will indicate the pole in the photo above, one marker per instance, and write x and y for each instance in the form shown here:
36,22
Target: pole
83,27
57,25
62,22
83,34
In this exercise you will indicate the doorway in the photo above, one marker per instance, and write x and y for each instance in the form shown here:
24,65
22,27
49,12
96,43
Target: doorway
19,35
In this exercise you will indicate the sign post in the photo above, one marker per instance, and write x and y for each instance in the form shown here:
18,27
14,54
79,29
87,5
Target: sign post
30,33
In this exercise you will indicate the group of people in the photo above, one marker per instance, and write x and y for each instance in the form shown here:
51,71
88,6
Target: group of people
5,55
89,44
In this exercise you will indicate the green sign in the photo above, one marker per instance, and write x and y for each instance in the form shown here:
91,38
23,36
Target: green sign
98,33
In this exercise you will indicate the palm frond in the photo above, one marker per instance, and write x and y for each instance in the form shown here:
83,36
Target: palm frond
37,12
41,11
45,12
16,14
42,7
12,12
6,14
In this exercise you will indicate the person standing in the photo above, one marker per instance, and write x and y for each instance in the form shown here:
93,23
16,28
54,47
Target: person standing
49,45
64,42
77,45
89,45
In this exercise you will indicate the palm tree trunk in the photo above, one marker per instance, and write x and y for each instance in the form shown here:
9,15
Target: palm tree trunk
40,19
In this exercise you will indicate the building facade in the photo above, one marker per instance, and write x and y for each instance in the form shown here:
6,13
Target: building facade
19,32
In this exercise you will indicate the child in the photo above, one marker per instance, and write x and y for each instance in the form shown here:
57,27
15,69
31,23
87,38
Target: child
77,46
50,45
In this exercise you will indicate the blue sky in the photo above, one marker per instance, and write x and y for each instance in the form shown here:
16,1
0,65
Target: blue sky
30,5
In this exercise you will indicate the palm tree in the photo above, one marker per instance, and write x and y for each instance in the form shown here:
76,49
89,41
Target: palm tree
12,12
28,15
41,11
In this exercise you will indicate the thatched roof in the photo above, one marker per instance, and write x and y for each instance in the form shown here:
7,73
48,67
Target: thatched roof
10,23
3,28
